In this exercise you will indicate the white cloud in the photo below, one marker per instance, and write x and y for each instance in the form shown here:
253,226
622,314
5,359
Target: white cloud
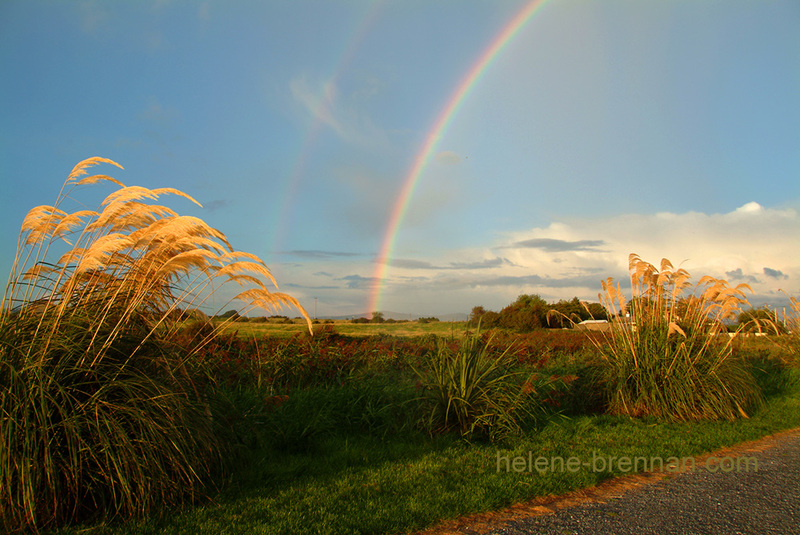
569,258
750,208
318,102
321,99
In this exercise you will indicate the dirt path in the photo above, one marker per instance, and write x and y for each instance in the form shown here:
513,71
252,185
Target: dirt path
714,498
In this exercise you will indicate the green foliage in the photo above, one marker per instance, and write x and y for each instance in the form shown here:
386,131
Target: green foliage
470,389
531,312
476,315
526,313
668,354
490,320
377,317
761,320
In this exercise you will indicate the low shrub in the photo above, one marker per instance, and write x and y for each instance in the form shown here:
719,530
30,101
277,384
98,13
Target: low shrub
471,390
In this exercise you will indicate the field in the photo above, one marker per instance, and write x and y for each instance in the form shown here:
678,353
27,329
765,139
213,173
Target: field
280,329
335,439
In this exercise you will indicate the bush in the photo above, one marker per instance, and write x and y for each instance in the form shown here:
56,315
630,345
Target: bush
668,354
471,390
104,411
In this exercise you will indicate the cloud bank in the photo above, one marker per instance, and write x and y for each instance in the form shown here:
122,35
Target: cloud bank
752,244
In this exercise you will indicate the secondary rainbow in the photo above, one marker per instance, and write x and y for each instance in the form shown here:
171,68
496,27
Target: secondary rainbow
432,139
321,106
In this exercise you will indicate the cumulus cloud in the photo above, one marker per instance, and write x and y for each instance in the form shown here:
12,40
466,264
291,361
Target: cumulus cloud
750,208
737,275
569,258
775,273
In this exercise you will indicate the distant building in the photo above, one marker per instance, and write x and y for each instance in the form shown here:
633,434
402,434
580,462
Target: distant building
593,325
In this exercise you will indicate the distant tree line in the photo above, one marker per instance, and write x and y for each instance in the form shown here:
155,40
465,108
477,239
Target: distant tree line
761,320
530,312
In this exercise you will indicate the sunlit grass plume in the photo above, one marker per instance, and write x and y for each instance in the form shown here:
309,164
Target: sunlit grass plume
668,352
101,410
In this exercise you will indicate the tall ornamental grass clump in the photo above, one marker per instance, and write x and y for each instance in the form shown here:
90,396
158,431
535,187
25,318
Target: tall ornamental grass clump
668,352
792,337
471,389
101,413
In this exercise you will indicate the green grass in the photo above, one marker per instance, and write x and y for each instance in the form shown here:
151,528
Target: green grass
405,329
349,479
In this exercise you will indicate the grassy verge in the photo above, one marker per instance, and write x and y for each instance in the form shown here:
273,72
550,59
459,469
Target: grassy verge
348,478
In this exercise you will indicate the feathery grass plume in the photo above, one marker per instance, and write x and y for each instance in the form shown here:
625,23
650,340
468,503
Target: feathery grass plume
668,353
102,412
792,325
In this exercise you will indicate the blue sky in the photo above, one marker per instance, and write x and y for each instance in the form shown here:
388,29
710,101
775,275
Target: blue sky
668,129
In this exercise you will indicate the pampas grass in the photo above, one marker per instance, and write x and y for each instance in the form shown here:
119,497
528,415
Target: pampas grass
668,353
792,338
101,411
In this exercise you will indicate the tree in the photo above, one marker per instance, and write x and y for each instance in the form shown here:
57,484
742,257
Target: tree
568,312
597,311
490,319
377,317
233,315
476,314
760,320
528,312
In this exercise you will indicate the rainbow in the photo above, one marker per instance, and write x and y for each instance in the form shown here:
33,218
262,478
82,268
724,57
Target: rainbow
432,139
320,107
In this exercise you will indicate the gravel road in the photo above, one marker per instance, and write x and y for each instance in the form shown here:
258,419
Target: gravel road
714,498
